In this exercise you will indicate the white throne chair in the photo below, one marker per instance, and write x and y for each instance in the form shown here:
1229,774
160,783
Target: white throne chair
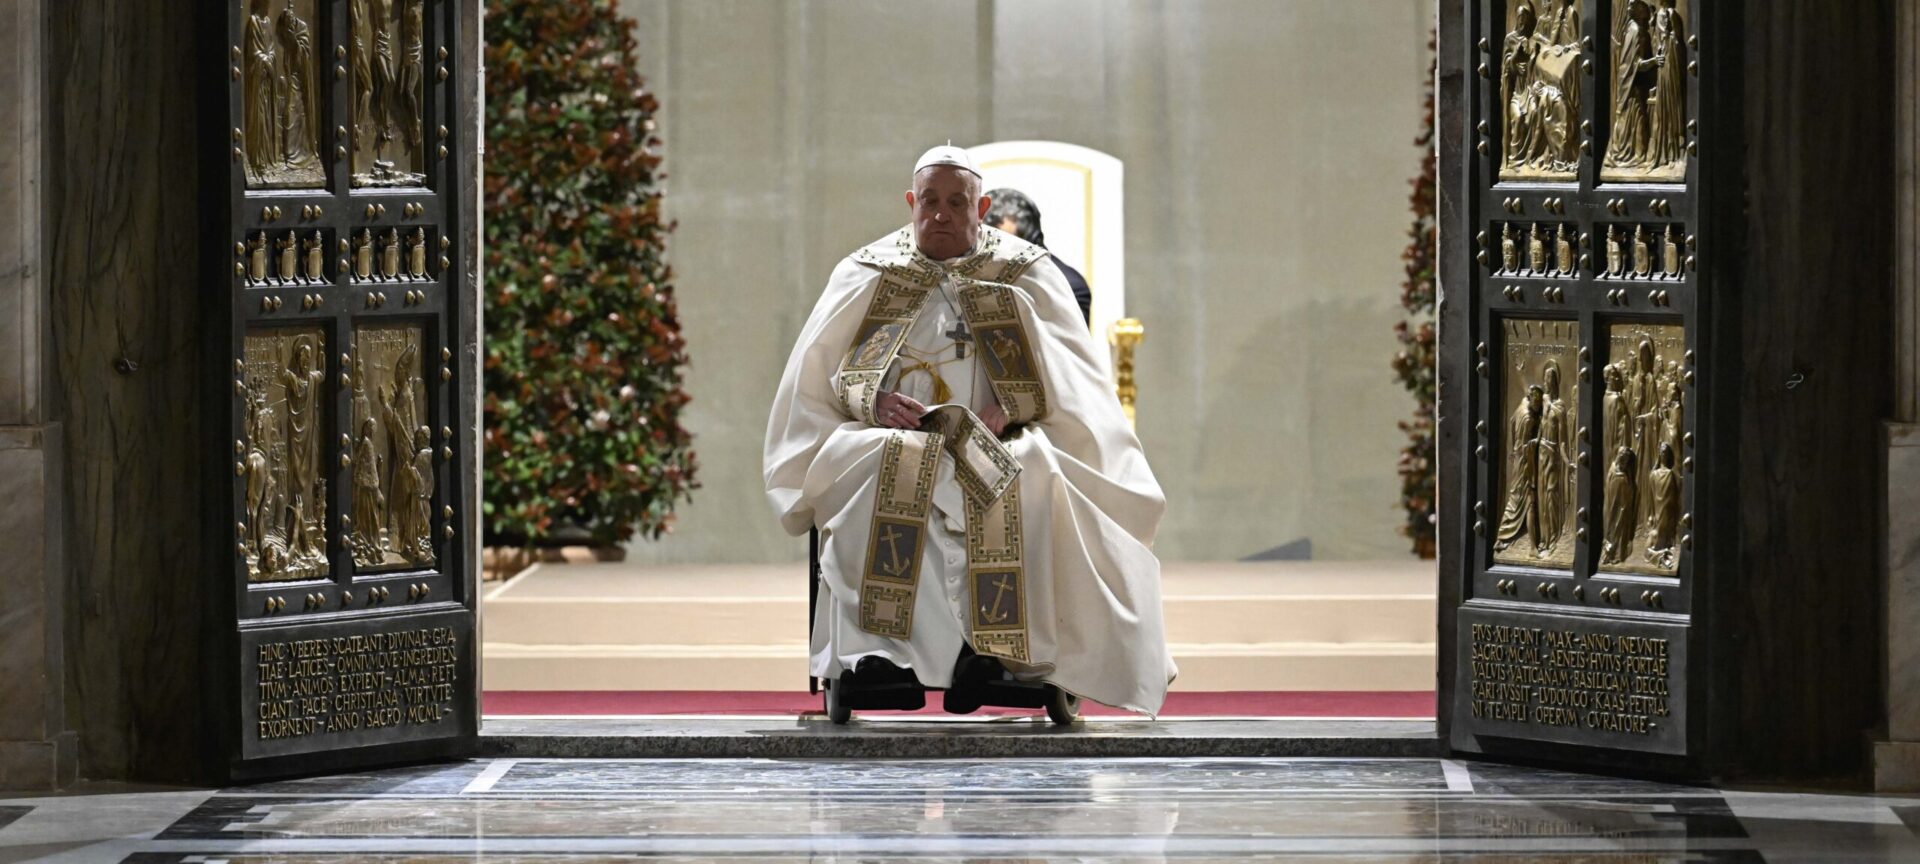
1079,191
1081,195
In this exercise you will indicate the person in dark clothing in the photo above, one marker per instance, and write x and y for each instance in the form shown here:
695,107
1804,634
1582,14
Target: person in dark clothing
1016,214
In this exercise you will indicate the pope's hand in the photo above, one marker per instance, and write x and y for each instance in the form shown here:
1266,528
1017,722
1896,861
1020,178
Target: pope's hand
996,419
896,411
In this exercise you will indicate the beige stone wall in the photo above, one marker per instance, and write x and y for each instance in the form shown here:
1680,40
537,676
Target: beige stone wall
1267,146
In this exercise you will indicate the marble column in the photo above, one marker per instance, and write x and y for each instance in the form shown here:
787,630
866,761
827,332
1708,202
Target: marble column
1896,761
36,751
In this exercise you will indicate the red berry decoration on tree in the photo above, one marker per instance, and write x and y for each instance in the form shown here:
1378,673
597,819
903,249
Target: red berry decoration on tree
584,355
1413,363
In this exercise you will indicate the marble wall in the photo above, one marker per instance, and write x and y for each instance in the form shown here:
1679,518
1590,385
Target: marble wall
1266,149
1897,753
23,322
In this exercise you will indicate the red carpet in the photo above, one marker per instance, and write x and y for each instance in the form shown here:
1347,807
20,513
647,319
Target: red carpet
1379,703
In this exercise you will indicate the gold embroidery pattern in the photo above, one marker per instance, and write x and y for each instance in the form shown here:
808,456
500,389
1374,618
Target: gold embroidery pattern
1016,265
887,610
908,455
996,578
895,257
993,533
909,465
882,332
857,391
906,281
892,300
877,343
983,464
898,257
1005,350
995,568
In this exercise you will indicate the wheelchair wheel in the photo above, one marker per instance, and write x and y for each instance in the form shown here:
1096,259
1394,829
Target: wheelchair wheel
1062,707
837,709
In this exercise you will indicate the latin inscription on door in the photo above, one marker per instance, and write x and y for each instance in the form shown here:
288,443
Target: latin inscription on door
1573,679
316,686
348,683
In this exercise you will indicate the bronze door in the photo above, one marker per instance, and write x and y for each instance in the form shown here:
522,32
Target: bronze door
350,630
1577,281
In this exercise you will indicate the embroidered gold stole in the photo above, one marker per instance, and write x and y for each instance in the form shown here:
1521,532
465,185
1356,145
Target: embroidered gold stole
910,460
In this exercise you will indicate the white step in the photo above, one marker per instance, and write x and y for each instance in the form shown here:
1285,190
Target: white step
1233,626
1203,667
1218,603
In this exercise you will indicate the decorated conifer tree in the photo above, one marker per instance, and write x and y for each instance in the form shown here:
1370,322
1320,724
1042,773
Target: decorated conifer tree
1413,363
584,355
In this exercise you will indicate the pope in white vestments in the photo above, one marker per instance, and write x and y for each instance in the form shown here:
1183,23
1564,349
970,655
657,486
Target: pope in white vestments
949,424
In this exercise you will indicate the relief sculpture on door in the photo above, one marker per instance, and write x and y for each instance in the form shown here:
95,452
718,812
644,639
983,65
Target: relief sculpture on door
1541,64
281,101
1649,121
1537,473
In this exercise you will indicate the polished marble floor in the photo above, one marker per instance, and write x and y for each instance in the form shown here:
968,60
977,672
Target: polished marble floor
748,811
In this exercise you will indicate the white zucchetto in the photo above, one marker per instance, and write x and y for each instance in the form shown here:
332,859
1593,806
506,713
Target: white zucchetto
946,154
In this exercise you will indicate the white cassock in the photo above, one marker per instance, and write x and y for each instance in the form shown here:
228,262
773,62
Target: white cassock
1034,550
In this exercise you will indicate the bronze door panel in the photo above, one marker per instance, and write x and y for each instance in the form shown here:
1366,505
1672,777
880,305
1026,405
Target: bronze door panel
1542,63
1540,406
393,452
1648,85
351,591
387,68
283,102
284,517
1644,441
1574,461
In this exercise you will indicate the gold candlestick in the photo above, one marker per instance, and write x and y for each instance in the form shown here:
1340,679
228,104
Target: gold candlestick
1125,335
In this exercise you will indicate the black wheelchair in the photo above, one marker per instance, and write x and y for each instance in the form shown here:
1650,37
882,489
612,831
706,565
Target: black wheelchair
978,680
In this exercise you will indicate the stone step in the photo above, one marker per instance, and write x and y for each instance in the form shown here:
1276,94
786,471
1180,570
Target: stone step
783,666
1216,603
1233,626
738,620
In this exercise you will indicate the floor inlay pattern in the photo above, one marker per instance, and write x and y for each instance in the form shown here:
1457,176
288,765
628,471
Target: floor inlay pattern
893,736
752,811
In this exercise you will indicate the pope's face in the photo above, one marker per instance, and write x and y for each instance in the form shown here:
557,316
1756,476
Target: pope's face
947,211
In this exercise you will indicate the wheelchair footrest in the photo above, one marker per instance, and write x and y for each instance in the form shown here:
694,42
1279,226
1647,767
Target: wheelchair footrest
884,697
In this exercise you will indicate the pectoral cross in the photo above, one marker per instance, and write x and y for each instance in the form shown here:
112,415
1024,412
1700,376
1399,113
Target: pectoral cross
960,336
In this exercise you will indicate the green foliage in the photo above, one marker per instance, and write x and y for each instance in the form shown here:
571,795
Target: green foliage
584,354
1413,363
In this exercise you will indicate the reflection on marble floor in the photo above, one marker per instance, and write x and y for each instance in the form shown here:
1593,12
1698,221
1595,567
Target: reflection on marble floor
1187,810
